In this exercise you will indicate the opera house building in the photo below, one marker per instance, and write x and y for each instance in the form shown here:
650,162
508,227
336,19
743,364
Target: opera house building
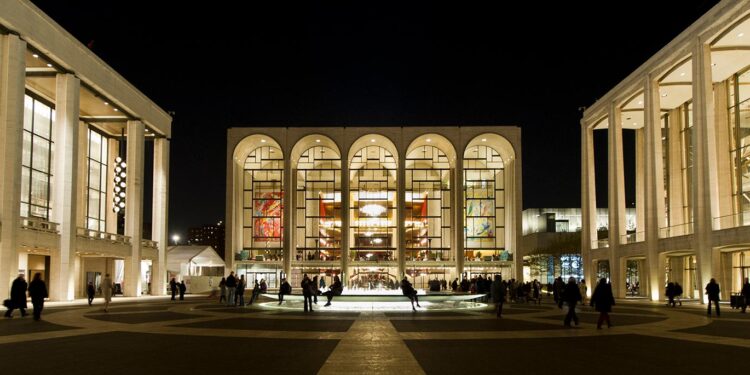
371,204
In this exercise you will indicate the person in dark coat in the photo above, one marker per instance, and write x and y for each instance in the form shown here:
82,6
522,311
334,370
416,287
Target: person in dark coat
307,292
571,295
745,295
678,292
284,289
90,292
408,290
454,285
17,296
183,288
713,291
498,294
37,292
603,300
334,290
670,293
239,297
256,292
173,287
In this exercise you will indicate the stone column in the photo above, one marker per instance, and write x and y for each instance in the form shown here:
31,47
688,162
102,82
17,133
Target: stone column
723,159
160,214
401,199
345,219
674,161
654,185
289,190
640,185
616,199
705,196
12,75
65,187
588,202
458,215
134,206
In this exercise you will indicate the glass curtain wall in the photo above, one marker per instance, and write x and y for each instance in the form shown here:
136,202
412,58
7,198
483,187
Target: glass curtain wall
96,191
428,205
263,194
739,133
484,205
373,205
686,135
665,166
36,162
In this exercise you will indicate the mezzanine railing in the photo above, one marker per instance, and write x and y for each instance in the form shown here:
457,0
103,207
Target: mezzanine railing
104,236
34,223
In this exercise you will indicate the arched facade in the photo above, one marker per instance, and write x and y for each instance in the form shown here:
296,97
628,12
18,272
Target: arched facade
375,207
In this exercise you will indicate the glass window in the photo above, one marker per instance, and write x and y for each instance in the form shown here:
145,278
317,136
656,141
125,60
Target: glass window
263,207
484,205
373,205
96,192
36,159
318,211
428,205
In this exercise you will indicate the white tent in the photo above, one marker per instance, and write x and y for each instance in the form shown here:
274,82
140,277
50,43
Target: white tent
188,260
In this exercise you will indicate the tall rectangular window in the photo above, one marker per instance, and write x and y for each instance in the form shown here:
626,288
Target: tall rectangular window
36,159
96,182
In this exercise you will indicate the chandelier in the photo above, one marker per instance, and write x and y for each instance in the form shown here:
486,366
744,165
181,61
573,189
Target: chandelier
372,210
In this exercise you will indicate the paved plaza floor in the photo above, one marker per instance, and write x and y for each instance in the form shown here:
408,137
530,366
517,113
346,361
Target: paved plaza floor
156,335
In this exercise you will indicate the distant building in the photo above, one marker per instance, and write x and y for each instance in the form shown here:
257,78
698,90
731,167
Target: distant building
211,235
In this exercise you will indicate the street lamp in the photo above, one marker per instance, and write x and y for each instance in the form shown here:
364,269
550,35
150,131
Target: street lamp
176,239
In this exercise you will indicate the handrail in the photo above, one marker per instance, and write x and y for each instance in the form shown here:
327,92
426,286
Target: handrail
676,230
35,223
600,243
149,244
104,236
633,237
739,219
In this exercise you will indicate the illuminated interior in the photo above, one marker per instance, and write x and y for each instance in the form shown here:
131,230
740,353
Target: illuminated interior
484,204
262,204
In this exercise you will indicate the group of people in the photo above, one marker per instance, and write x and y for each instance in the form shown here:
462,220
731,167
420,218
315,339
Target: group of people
37,291
174,286
232,290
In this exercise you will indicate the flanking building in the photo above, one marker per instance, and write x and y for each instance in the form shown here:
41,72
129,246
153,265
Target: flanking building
372,204
687,107
74,137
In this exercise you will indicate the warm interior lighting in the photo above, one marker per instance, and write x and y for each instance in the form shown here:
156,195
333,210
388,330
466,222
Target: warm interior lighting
317,141
35,56
262,141
49,65
429,140
372,210
484,139
372,140
106,103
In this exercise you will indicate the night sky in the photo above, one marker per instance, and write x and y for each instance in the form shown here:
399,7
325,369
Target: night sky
403,63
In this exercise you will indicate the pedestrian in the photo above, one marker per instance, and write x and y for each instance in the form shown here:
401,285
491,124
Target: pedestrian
37,292
583,289
307,292
241,291
107,288
334,290
315,289
454,285
713,292
173,287
745,294
182,288
570,296
17,296
256,292
91,292
285,288
670,293
603,300
678,292
264,287
231,288
223,288
498,295
408,290
322,284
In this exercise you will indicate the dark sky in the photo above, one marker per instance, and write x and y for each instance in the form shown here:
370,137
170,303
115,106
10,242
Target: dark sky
349,63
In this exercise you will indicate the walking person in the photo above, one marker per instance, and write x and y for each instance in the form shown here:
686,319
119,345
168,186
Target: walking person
107,288
571,295
713,291
408,290
90,292
256,292
315,290
173,287
37,292
670,293
745,295
285,288
583,289
17,296
498,295
678,292
182,288
231,288
240,297
603,300
223,288
322,284
334,290
307,291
